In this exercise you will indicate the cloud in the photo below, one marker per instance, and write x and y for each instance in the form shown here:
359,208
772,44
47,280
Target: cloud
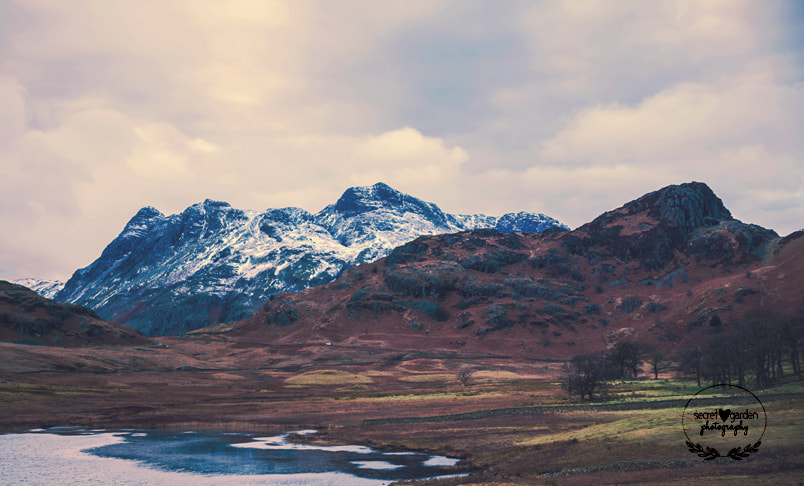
580,56
327,164
97,167
750,108
621,98
568,108
737,133
12,118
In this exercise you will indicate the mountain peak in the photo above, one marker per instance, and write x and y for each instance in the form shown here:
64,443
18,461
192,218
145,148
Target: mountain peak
684,206
686,218
213,204
148,212
215,263
361,199
142,222
365,199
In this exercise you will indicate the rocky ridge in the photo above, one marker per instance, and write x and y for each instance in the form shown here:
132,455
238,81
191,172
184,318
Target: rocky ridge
658,269
214,263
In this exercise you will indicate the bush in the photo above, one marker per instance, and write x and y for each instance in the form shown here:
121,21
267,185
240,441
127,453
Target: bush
431,309
497,317
592,309
421,281
629,304
492,260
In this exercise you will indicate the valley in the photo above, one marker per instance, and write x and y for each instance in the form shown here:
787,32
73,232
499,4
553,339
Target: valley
558,357
509,420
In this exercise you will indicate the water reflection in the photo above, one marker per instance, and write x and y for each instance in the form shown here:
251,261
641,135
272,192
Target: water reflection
243,454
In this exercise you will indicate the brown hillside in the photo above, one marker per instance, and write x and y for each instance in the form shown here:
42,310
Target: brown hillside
657,270
27,318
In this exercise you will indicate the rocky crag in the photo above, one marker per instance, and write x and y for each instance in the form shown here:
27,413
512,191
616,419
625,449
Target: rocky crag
665,269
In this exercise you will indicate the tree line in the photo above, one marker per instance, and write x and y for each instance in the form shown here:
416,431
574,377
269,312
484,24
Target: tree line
756,350
751,351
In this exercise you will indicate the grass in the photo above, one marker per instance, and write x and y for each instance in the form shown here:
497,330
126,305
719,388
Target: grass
595,446
327,377
416,397
426,377
493,424
656,425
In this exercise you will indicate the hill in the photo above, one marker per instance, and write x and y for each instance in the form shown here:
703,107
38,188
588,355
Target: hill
28,318
666,270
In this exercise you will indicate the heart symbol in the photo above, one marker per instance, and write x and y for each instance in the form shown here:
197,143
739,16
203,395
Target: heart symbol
724,414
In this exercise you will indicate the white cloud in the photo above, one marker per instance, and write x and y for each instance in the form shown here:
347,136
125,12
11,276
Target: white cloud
12,117
682,121
569,108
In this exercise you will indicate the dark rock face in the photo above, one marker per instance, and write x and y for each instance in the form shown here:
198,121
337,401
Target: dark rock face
731,241
687,215
685,206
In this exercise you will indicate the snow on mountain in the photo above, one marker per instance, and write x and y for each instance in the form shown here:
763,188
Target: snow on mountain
213,263
46,288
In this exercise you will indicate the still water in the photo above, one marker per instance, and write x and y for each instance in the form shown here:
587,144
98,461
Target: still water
129,457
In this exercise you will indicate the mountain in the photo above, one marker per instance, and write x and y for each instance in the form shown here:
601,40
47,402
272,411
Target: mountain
667,269
46,288
28,318
213,263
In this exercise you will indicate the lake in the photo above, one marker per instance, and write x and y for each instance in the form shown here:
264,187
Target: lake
146,457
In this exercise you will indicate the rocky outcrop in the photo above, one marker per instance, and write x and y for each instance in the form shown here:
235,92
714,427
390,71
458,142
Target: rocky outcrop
654,266
686,217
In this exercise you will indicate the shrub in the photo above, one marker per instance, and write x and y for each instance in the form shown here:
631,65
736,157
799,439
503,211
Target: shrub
497,317
629,304
591,309
492,260
431,309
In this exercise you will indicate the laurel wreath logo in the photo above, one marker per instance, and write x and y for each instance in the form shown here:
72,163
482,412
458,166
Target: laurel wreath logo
710,453
738,454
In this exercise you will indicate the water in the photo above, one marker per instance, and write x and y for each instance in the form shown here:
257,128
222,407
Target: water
136,457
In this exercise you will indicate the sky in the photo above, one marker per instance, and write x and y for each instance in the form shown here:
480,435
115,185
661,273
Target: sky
568,108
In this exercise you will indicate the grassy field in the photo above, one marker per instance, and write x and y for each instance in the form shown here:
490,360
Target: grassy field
509,420
543,438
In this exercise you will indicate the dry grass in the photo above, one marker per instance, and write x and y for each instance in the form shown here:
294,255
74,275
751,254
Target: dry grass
508,446
431,377
328,377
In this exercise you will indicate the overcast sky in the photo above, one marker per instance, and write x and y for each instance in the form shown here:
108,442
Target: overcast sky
568,108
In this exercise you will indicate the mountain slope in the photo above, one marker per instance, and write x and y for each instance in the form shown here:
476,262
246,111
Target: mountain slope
28,318
213,263
657,269
46,288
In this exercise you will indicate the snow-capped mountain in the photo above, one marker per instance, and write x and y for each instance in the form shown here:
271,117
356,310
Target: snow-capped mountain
213,263
46,288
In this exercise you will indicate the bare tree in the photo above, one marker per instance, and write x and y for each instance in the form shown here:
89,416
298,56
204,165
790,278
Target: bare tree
691,362
585,374
658,361
625,357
